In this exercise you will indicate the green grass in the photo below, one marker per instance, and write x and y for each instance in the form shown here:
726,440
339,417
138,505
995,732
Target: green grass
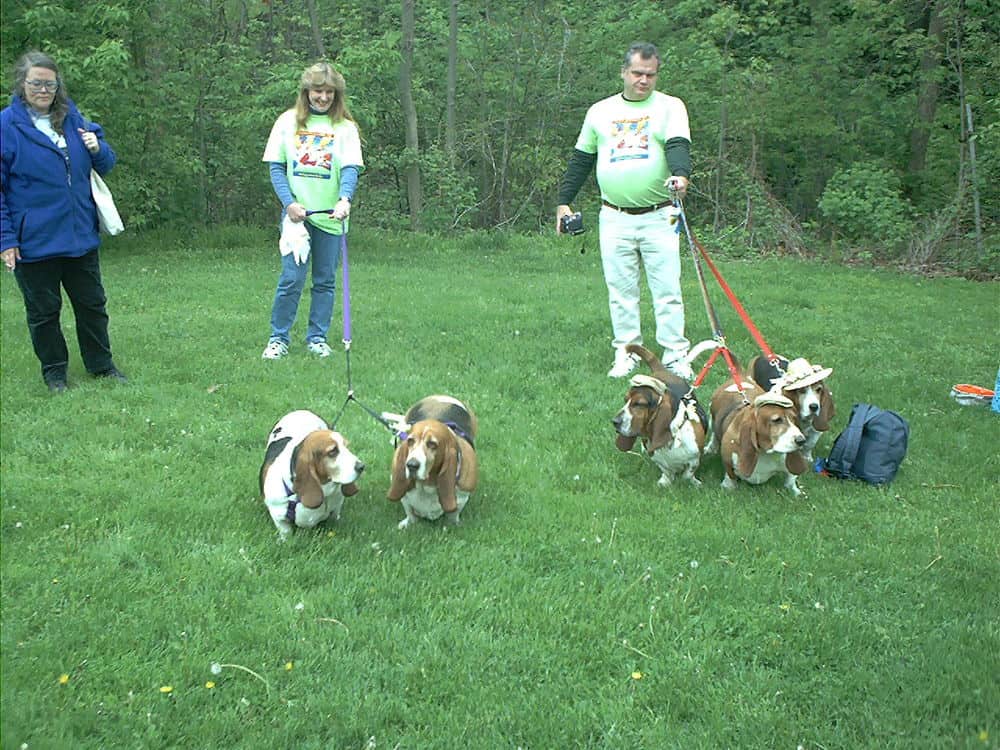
577,606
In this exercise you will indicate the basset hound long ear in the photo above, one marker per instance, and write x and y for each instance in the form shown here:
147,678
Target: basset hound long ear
795,462
447,473
660,433
399,484
747,449
821,423
309,476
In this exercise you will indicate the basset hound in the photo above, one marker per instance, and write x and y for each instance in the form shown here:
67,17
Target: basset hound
307,472
663,412
434,468
805,385
756,436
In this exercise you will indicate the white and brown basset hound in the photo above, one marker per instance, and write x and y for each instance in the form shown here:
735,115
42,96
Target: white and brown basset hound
435,469
662,411
757,437
307,472
805,385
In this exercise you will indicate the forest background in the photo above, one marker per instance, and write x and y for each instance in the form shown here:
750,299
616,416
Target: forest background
855,130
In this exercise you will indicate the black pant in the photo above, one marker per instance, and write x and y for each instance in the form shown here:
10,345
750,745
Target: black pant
81,278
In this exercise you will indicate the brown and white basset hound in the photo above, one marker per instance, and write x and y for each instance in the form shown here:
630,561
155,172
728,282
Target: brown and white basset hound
307,472
662,411
805,385
756,436
435,469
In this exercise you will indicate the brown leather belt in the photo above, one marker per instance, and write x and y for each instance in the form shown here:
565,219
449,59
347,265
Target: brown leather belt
636,211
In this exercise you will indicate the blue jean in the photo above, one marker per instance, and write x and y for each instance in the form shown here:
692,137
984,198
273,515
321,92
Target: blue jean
324,255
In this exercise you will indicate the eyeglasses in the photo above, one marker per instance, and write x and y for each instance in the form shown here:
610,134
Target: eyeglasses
51,86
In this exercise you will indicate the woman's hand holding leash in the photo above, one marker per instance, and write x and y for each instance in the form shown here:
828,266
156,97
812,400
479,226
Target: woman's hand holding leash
342,210
296,212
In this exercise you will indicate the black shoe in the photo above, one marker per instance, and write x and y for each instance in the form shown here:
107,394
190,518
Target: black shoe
112,373
57,386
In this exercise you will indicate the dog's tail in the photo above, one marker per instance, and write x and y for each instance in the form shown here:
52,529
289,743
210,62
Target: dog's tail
700,348
651,360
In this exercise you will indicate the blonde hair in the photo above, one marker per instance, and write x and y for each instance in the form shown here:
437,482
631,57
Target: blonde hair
322,75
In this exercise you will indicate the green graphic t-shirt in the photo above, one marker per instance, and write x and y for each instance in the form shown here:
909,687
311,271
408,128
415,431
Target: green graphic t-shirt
314,156
629,139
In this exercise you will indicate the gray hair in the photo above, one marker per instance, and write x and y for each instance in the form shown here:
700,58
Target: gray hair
645,50
60,102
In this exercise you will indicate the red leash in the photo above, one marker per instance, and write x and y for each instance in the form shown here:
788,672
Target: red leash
744,316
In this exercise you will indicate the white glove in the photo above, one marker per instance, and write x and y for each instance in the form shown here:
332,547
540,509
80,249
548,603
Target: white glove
294,240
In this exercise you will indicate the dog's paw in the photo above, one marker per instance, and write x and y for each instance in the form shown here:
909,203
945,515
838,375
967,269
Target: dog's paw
404,524
665,480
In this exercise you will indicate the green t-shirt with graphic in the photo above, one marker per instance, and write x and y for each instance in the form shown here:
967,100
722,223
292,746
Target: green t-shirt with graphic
314,156
629,138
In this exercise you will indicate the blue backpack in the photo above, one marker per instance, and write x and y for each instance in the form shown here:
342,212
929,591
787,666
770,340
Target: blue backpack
871,447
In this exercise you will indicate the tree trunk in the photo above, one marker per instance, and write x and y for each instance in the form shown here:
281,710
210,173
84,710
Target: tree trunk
414,192
317,32
449,127
927,96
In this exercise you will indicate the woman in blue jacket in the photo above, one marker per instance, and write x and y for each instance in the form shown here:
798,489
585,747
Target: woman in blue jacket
48,219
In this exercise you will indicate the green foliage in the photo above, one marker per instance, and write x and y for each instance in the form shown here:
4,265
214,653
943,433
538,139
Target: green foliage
579,605
781,95
862,202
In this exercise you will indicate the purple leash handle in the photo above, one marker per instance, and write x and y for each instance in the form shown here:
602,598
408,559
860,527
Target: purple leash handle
346,282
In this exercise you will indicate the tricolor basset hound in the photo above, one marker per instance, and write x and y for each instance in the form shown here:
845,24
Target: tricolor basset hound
663,412
307,472
434,469
756,436
805,385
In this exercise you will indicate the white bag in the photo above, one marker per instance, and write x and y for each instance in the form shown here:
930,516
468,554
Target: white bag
108,218
294,240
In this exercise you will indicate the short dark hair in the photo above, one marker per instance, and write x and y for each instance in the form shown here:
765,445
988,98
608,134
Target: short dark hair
645,50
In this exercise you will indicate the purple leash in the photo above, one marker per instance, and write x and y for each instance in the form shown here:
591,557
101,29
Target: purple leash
346,286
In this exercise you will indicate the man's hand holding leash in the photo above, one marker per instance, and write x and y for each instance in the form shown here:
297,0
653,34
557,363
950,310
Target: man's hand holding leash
677,184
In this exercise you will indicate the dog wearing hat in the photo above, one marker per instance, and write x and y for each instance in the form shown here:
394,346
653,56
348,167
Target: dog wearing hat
805,385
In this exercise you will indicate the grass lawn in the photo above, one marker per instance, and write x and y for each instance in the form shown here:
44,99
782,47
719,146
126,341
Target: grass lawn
147,604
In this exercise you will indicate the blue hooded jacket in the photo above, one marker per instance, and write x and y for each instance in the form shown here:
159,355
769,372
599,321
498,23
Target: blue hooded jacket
46,207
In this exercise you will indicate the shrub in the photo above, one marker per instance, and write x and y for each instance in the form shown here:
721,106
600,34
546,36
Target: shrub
864,205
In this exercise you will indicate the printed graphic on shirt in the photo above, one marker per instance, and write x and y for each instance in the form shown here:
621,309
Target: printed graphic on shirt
313,155
630,139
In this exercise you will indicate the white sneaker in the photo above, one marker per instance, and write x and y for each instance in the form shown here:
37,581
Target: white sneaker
624,364
681,369
319,348
275,349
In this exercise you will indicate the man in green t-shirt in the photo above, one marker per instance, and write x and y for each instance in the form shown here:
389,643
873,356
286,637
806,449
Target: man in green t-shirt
640,142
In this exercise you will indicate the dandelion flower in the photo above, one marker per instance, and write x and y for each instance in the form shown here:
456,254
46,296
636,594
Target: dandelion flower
694,565
785,607
216,668
167,689
984,736
63,679
637,675
209,684
288,666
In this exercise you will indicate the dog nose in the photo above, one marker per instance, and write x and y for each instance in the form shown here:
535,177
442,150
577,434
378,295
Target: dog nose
814,408
359,467
413,464
800,440
617,421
